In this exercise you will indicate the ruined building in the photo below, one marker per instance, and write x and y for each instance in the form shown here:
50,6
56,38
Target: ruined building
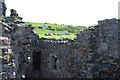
93,54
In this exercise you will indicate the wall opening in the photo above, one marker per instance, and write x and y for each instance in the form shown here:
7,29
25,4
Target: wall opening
54,63
36,60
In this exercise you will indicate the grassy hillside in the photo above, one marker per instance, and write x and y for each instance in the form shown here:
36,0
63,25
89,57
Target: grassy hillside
55,29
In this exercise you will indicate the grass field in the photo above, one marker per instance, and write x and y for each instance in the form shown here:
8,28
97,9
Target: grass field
58,29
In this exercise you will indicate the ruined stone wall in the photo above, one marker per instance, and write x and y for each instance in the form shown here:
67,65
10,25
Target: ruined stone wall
94,54
17,49
54,59
0,41
67,60
107,54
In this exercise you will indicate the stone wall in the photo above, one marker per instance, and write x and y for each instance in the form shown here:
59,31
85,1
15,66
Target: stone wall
94,54
0,41
18,50
15,48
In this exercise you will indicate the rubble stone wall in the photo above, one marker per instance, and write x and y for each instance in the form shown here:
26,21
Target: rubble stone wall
16,49
0,41
94,54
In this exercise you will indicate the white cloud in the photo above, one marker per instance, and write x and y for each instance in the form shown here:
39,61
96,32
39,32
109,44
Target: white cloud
73,12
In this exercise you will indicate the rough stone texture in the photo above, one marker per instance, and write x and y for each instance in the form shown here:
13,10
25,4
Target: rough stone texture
0,41
94,54
17,46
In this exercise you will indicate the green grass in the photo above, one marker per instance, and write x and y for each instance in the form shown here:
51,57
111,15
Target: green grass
56,36
57,30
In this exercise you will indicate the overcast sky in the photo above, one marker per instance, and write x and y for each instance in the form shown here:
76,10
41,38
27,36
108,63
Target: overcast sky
70,12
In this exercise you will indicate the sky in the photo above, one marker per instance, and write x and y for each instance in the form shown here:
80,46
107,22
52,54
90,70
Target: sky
69,12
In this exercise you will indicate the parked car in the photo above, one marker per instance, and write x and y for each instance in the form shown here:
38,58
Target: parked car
46,34
50,34
54,34
40,27
59,34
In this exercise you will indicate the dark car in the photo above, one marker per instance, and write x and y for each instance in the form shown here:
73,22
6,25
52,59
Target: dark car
46,34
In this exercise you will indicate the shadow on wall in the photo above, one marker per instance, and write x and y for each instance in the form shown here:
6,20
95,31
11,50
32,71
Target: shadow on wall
36,61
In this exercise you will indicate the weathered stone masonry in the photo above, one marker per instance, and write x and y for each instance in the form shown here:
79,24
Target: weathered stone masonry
94,54
16,49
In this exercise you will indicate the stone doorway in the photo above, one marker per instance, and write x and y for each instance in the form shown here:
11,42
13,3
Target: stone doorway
36,61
